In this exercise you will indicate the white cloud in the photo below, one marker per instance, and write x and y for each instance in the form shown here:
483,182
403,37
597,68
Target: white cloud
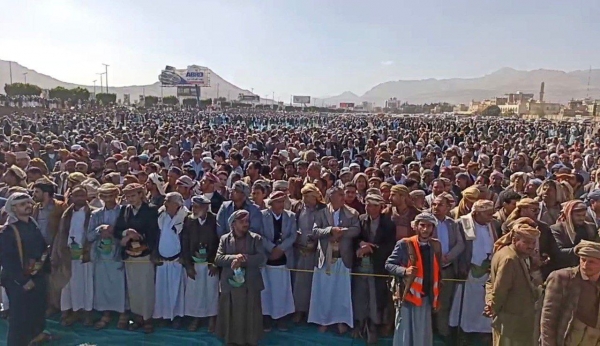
387,62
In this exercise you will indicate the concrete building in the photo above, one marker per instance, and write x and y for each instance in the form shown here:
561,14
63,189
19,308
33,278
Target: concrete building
393,104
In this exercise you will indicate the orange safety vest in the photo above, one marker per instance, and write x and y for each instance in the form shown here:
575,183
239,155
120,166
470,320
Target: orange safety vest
415,293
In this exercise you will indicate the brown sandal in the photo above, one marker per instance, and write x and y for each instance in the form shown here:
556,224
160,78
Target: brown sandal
103,323
148,327
123,322
194,325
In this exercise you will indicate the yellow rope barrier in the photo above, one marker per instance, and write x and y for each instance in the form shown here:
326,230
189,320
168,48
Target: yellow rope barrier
311,271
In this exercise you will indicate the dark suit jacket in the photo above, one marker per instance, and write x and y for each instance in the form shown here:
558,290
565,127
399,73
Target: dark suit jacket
566,247
324,222
385,236
216,201
193,234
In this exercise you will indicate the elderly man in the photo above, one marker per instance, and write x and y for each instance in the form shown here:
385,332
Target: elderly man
240,254
374,244
240,192
448,234
137,229
511,294
335,228
23,252
199,242
305,247
570,228
278,235
71,261
570,310
170,277
474,266
109,278
416,261
283,186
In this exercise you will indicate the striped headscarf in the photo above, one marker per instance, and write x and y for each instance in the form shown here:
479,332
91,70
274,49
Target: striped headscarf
469,196
565,216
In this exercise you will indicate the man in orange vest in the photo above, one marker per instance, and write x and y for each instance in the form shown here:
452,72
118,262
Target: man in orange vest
415,262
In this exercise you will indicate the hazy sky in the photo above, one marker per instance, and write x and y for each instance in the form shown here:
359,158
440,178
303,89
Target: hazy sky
312,47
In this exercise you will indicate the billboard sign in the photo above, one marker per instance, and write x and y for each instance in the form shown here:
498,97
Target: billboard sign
346,105
301,99
193,75
248,98
186,91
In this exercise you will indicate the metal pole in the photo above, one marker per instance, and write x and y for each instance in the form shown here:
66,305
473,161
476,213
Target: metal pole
94,90
25,74
217,91
101,84
106,72
10,68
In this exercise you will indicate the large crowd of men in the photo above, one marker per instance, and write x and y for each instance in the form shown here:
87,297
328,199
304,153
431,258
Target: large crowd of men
476,229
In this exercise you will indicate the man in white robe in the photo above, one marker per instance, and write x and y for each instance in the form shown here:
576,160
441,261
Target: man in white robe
278,235
199,241
170,278
335,227
480,236
71,260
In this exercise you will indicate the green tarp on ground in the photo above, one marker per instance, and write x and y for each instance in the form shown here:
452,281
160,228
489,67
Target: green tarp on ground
77,335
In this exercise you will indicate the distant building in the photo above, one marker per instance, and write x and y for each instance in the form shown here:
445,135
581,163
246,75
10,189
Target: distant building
461,108
518,97
393,104
367,106
517,109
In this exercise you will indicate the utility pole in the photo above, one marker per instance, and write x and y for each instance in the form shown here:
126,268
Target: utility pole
217,91
106,72
25,74
101,84
10,68
94,89
273,100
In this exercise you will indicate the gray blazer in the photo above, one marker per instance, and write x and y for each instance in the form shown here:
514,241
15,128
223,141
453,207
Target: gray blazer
456,243
256,259
288,234
322,231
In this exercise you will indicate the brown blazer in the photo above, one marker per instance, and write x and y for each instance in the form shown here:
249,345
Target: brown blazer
60,257
256,259
512,296
560,303
54,219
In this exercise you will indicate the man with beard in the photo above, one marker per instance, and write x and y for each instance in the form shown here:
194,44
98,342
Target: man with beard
23,252
72,269
552,195
240,192
480,235
240,255
417,261
511,294
373,246
199,243
570,310
47,212
452,243
570,228
335,228
109,278
62,179
96,168
137,230
278,234
401,211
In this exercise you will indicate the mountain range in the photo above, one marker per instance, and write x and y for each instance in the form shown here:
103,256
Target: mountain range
219,86
560,86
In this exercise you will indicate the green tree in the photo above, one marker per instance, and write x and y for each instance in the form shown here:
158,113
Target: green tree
170,100
79,94
22,89
492,111
150,101
60,93
190,102
106,99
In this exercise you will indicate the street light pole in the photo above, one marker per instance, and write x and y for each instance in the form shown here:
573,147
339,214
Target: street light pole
106,72
94,89
25,74
101,84
10,68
